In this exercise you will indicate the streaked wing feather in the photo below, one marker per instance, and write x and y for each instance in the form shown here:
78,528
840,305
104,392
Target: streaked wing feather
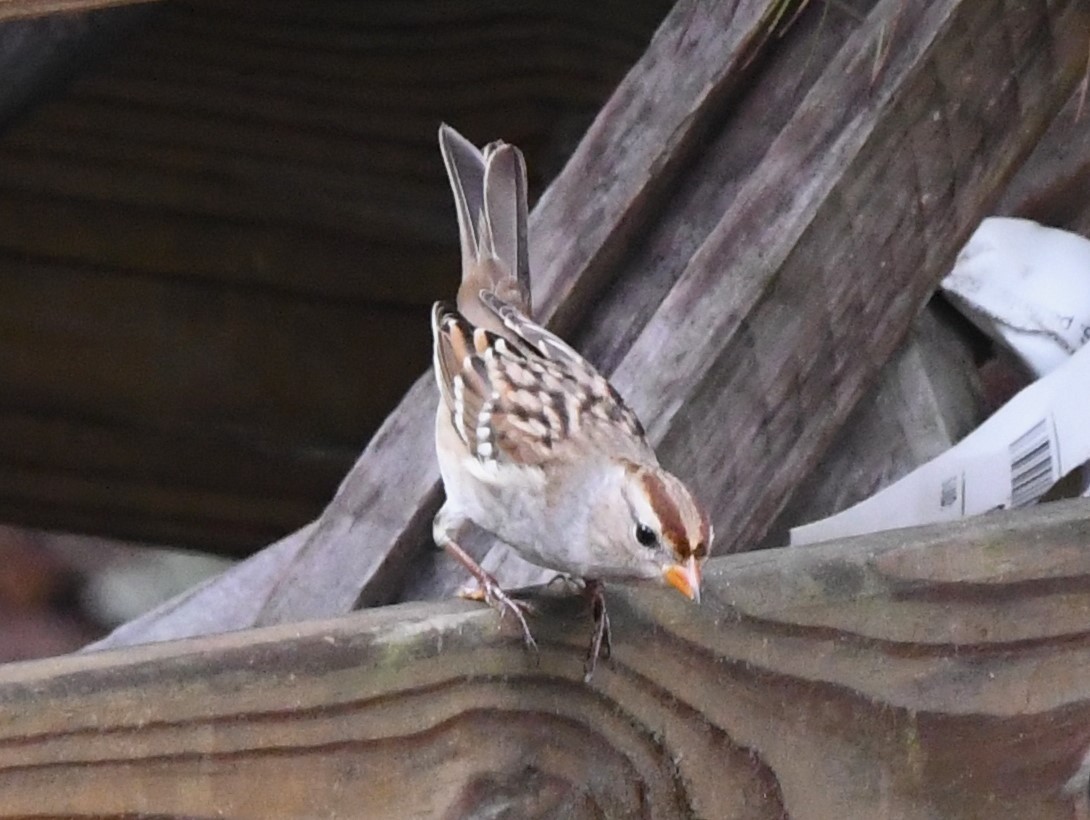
545,343
555,349
532,400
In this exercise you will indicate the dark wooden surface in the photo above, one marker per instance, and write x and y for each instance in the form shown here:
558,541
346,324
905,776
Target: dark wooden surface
220,239
938,672
40,55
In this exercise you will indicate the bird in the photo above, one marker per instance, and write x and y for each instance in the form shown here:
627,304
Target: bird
534,445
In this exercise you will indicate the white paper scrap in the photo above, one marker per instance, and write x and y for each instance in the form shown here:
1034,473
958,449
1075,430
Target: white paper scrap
1011,460
1027,286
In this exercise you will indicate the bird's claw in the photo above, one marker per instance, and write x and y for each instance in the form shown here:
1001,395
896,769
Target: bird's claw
491,593
601,644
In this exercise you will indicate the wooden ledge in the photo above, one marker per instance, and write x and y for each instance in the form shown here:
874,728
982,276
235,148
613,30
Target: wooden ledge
931,672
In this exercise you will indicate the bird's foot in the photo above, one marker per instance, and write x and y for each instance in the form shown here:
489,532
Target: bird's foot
601,643
492,594
489,590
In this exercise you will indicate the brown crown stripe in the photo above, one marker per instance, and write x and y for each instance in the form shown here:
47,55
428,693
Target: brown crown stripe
673,527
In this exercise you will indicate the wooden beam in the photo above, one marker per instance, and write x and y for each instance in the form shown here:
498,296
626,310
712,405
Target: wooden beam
938,672
206,369
926,399
24,9
786,283
837,239
38,56
1051,186
747,323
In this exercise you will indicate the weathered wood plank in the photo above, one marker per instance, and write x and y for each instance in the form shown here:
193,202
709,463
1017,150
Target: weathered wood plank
262,572
205,369
830,246
1051,186
938,672
870,189
689,212
305,130
194,337
79,213
926,399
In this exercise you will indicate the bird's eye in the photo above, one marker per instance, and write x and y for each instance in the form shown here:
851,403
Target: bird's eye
645,535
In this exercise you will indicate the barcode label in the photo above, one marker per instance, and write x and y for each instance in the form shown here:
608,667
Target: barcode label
950,492
1033,464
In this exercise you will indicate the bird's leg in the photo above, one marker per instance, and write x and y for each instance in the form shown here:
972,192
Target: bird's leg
491,592
601,643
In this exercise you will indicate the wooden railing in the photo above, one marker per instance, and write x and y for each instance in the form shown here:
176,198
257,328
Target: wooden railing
939,672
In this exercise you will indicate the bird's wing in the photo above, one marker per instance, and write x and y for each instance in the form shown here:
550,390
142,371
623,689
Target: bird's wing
531,399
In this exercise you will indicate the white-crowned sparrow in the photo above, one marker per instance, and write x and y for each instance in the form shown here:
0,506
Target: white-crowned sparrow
534,445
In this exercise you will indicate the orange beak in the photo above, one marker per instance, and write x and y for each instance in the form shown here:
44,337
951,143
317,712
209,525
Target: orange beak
685,578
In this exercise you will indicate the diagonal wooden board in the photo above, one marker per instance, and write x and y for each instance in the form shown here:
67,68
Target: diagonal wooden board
25,9
874,185
936,672
781,316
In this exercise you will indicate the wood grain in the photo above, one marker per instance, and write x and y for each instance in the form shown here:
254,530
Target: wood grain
1049,186
132,427
937,672
836,240
788,307
927,398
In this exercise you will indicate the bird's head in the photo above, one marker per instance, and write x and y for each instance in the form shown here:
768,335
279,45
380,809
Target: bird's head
652,521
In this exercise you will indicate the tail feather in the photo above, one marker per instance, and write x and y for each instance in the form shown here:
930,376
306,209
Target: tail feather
505,205
465,169
490,198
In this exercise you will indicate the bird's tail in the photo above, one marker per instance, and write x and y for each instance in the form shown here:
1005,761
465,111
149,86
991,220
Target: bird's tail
490,196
